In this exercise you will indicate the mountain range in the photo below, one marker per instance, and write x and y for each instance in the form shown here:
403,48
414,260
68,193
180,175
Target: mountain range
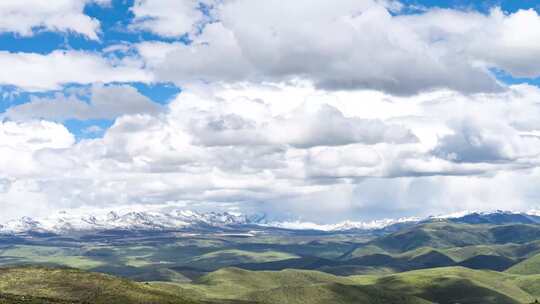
181,256
65,222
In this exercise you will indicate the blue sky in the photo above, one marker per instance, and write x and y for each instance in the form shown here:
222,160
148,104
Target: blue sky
115,19
114,22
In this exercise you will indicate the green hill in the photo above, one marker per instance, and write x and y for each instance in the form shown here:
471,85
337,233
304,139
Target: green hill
446,285
18,299
290,286
455,285
435,235
331,293
440,285
528,266
223,258
516,233
491,262
62,285
450,235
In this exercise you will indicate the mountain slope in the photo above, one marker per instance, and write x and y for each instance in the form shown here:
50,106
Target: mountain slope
491,262
232,285
442,285
528,266
70,285
331,293
290,286
454,285
65,222
18,299
435,235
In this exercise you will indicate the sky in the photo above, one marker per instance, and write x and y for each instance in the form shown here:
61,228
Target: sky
316,110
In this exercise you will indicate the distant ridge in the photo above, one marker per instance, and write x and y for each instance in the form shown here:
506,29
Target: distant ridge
67,222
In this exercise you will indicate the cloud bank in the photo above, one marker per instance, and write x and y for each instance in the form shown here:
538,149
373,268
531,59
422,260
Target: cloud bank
318,110
318,153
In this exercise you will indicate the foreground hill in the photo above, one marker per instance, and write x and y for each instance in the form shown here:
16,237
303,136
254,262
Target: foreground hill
233,285
42,285
48,285
290,286
18,299
442,285
528,266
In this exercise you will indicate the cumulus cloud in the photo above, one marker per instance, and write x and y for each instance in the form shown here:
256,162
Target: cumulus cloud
473,142
348,109
29,16
240,147
106,102
508,41
169,18
20,141
305,127
35,72
353,45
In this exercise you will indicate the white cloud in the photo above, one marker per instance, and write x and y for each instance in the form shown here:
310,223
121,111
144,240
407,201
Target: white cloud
273,115
106,102
55,69
151,159
20,141
475,141
508,41
169,18
94,129
353,45
304,127
29,16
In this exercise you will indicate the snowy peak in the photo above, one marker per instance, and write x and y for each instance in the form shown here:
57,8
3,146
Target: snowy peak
23,224
497,218
343,226
67,222
64,222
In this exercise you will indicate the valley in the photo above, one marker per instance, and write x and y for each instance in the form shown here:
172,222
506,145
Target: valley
489,258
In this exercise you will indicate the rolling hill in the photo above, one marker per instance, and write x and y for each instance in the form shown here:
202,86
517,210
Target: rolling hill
64,285
528,266
433,261
442,285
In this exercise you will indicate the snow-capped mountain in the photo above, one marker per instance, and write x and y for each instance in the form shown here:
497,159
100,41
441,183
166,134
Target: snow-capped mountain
64,222
76,221
343,226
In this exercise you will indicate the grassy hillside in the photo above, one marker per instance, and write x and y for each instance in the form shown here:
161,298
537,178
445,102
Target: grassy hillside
443,234
331,293
18,299
290,286
491,262
233,285
418,264
436,235
70,285
223,258
442,285
184,257
528,266
454,285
